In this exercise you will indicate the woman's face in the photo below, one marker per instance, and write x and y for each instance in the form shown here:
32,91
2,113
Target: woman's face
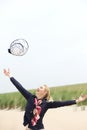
41,92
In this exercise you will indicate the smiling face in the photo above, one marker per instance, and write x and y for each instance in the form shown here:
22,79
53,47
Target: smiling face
42,92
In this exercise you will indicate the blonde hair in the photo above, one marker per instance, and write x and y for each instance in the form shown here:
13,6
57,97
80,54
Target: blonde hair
47,96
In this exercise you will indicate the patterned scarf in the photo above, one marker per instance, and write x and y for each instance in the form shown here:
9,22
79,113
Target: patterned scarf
36,111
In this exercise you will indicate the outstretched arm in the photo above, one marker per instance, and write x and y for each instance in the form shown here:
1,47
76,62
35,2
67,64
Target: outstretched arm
56,104
22,90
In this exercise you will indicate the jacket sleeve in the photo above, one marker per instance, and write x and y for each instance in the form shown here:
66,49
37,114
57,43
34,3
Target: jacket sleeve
55,104
22,90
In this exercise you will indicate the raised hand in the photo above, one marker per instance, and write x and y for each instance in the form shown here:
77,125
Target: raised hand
6,72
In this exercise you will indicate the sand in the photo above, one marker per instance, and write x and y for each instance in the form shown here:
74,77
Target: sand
64,118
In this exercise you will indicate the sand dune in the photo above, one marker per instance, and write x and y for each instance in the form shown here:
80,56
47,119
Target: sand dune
64,118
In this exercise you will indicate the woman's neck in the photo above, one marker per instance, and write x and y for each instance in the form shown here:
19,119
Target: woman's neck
39,97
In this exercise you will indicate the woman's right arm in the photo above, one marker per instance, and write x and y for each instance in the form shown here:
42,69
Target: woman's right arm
21,89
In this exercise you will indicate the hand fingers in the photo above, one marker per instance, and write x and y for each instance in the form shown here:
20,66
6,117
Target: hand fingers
4,70
8,70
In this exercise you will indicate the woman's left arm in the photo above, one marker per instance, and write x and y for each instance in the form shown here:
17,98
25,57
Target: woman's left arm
55,104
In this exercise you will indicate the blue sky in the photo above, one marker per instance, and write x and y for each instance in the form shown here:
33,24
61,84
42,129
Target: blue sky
56,31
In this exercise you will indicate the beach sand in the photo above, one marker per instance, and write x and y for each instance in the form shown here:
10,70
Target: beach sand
64,118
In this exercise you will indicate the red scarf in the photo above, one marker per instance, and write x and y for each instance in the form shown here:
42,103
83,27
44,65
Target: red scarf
36,111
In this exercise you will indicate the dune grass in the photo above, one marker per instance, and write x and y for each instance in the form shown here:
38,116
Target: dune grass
16,100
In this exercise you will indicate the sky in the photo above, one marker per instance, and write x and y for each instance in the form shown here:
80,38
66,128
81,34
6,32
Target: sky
56,31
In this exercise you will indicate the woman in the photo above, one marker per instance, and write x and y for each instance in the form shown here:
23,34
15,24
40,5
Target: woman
38,104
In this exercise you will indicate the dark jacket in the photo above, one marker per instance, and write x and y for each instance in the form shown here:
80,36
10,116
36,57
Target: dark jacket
45,105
